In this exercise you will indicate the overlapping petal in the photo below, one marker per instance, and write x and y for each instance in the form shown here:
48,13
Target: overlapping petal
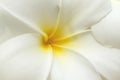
10,26
77,15
70,65
105,60
107,31
21,58
39,13
72,15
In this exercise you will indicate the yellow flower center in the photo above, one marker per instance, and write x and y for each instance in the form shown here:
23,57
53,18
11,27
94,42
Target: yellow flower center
55,37
52,40
57,40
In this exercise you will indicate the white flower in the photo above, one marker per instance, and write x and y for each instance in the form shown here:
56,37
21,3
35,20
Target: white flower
53,40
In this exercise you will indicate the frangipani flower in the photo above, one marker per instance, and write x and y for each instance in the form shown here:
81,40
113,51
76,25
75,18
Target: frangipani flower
59,40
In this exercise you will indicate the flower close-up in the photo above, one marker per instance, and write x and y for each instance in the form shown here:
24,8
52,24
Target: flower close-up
59,40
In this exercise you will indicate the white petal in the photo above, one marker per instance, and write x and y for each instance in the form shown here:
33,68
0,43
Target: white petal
23,58
71,66
107,31
38,13
70,15
81,14
105,60
11,26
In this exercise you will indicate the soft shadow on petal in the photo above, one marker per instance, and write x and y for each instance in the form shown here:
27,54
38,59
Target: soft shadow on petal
72,66
40,13
77,15
105,60
107,32
70,16
11,26
21,58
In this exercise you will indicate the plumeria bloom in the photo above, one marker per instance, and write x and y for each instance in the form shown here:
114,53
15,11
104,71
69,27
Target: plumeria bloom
59,40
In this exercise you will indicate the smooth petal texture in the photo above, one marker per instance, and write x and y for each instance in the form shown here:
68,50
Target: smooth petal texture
107,31
77,15
38,13
72,15
105,60
71,66
11,26
21,58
